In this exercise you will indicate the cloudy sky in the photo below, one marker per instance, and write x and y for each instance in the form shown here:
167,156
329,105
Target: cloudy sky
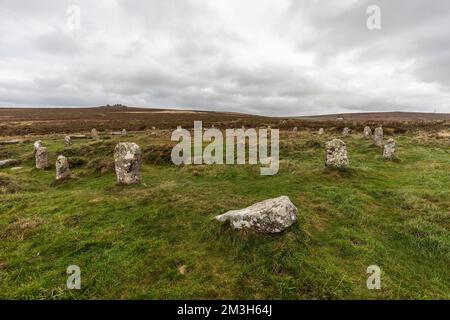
270,57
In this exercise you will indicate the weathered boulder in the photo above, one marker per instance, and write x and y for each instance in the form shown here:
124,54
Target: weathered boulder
62,168
378,137
8,162
389,149
367,132
321,131
94,134
127,159
336,154
41,158
67,141
37,145
345,131
268,216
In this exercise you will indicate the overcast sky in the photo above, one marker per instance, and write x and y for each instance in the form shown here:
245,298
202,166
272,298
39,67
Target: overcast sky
270,57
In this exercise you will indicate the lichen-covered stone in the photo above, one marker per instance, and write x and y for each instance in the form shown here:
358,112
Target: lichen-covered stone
389,149
321,131
367,132
37,144
62,168
336,154
269,216
127,159
67,141
94,134
345,131
378,137
41,158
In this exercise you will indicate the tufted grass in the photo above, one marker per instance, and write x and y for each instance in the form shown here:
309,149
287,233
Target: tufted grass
130,242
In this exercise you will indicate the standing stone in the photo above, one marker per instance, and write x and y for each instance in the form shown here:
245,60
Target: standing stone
67,141
295,129
153,128
41,158
37,145
367,132
345,132
62,168
378,137
94,134
389,149
321,131
127,159
336,154
124,132
268,216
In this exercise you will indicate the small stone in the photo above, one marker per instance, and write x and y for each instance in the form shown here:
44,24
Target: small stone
389,149
8,162
94,134
127,159
67,141
37,145
345,132
268,216
336,154
378,137
41,158
62,168
124,132
367,132
321,131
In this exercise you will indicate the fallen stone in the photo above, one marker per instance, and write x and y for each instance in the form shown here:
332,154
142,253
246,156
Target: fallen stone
41,158
127,159
8,162
16,168
78,136
10,142
378,137
389,149
268,216
336,154
62,168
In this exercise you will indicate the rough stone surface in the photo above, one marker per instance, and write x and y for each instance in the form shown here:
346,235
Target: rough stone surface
41,158
67,141
94,134
37,145
8,162
378,137
336,154
345,131
268,216
367,133
62,168
321,131
389,149
127,159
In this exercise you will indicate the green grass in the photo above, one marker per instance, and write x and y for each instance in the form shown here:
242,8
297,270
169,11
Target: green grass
130,241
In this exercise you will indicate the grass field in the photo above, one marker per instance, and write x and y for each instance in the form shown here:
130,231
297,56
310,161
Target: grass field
131,242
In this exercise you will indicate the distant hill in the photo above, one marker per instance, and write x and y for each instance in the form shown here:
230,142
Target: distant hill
383,116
